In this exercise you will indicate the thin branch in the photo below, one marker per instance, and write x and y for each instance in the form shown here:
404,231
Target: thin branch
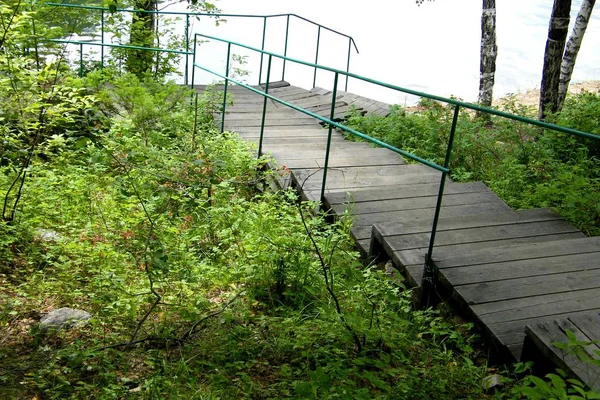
192,330
326,270
10,22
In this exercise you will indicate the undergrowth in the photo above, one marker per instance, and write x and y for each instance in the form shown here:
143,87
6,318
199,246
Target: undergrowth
201,284
122,199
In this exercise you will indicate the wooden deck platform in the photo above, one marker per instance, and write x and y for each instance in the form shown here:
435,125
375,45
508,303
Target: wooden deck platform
503,268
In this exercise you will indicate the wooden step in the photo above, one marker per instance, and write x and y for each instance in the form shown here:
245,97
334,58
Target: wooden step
586,328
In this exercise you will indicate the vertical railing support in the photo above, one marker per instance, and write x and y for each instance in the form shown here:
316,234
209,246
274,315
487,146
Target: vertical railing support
348,62
317,55
429,271
102,39
329,133
81,60
193,63
264,111
224,108
187,47
262,55
287,32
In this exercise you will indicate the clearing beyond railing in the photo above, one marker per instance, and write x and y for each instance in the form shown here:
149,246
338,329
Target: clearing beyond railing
429,267
189,15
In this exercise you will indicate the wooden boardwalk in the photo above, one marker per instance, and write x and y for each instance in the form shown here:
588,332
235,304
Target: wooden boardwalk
503,268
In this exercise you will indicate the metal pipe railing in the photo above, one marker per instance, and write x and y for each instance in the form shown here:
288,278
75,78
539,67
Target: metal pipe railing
455,102
187,16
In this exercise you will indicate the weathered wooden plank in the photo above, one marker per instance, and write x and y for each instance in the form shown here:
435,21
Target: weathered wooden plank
414,274
392,228
484,292
543,334
338,181
320,90
413,203
479,235
415,256
513,332
523,252
276,84
290,152
288,130
270,116
340,162
589,324
375,156
403,192
296,141
240,124
299,134
522,311
425,214
292,97
521,268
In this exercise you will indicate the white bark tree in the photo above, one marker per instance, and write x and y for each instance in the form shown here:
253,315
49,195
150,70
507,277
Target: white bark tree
572,49
555,46
488,53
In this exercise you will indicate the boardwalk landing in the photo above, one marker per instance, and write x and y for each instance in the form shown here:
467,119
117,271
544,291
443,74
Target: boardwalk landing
503,268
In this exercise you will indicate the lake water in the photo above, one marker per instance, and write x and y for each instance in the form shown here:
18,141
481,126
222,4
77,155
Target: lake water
432,48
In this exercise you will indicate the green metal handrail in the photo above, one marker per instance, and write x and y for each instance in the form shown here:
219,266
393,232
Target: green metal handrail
430,268
81,43
351,42
454,102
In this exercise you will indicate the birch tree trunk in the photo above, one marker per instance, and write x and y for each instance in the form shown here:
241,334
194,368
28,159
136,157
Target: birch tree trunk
555,46
572,49
489,51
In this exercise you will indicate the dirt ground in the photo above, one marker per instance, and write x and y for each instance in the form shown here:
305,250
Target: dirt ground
532,96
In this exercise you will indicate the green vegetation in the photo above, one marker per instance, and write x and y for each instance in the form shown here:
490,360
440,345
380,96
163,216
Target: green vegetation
526,166
122,199
200,284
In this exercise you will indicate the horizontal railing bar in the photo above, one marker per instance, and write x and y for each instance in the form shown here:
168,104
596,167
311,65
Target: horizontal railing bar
121,46
205,14
416,93
328,121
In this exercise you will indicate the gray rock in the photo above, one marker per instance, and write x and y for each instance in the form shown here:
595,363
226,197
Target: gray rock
48,235
492,381
65,318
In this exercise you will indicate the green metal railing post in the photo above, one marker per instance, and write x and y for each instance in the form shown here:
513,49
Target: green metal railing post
187,47
329,133
287,32
264,112
429,270
225,90
348,62
81,60
262,55
102,39
317,55
194,62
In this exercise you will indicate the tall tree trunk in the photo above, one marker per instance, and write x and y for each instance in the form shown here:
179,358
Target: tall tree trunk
141,34
572,49
489,51
555,46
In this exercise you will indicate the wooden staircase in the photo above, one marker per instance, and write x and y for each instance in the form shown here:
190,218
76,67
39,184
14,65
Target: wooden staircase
501,267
